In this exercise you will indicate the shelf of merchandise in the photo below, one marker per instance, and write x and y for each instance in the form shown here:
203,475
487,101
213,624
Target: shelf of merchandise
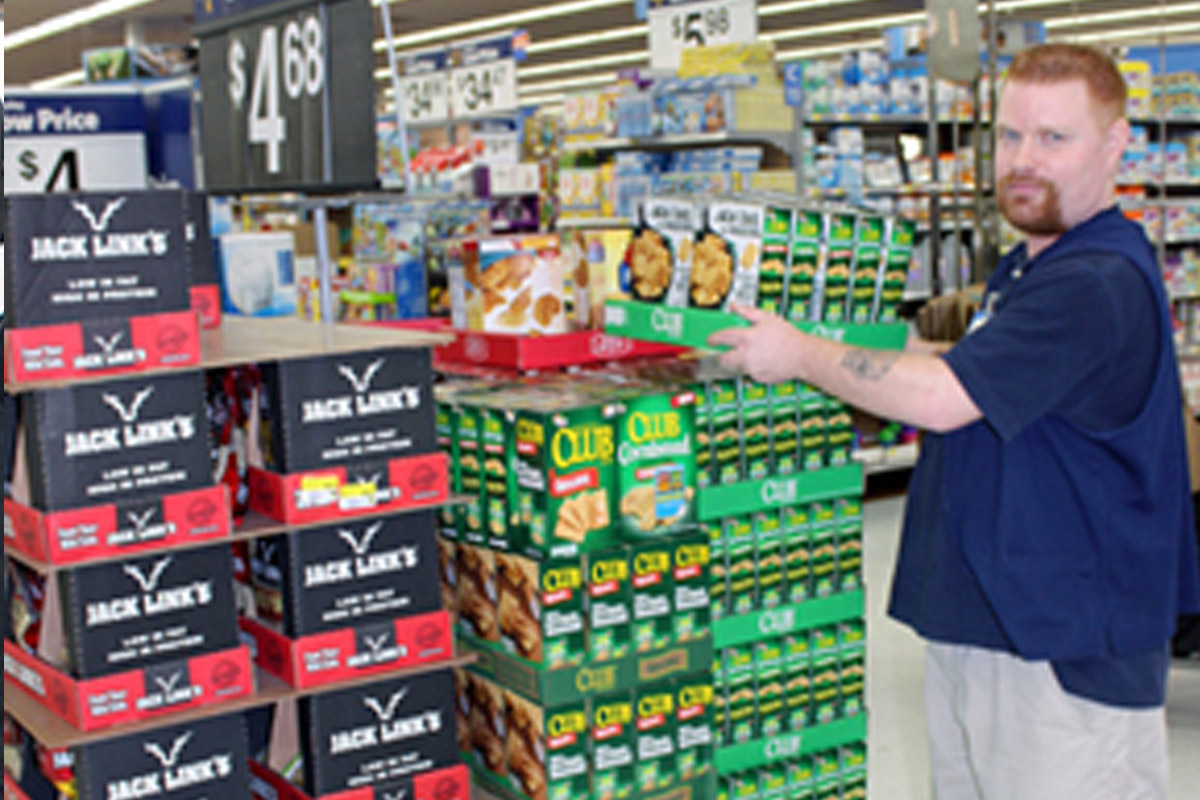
594,222
880,460
811,486
780,139
790,746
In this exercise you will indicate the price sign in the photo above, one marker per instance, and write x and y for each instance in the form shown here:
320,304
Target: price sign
484,79
424,87
679,26
288,96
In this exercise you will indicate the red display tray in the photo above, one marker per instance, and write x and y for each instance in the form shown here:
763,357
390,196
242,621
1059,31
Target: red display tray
97,532
329,495
11,792
97,703
60,352
206,302
334,656
449,783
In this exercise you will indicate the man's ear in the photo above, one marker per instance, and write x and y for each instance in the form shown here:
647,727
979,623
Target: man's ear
1116,141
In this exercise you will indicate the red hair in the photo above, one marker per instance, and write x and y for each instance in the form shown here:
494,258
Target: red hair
1061,62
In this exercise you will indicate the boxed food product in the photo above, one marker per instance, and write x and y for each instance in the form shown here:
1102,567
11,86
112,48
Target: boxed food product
837,261
515,285
653,619
769,558
654,715
744,786
801,779
784,423
487,724
803,265
468,439
258,273
813,440
797,666
739,678
694,725
773,782
826,698
546,748
823,547
727,465
656,469
540,609
95,256
147,612
849,522
797,545
690,583
755,412
743,575
658,264
898,255
778,222
720,722
328,410
448,576
613,746
769,668
718,584
852,638
839,433
726,256
603,253
498,442
477,592
610,605
868,269
121,441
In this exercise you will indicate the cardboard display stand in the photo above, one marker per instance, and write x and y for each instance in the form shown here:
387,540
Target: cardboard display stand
450,783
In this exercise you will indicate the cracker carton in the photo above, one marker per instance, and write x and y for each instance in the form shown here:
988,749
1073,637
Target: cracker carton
690,583
653,617
837,260
773,272
694,725
470,465
812,429
755,429
487,725
769,558
743,576
446,422
540,609
773,782
825,656
726,435
704,437
658,263
656,471
898,255
852,637
727,254
654,719
839,433
853,758
739,677
784,424
744,786
804,262
797,545
868,269
827,775
515,285
823,544
797,667
724,788
718,584
609,605
546,748
720,701
849,523
477,592
613,746
800,779
770,678
498,442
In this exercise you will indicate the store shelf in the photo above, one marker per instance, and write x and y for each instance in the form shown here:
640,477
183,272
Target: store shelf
714,502
881,460
902,120
594,222
735,631
781,139
790,746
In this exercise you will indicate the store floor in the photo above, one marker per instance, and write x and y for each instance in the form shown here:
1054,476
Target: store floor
897,755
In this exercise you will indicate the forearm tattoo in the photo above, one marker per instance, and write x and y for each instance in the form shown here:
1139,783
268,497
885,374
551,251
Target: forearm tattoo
869,365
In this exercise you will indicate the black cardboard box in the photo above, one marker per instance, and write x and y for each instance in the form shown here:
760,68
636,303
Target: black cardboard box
75,257
148,611
327,410
119,441
350,574
378,733
205,760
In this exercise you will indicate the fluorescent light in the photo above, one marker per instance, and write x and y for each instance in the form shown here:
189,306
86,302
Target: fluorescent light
71,78
71,19
829,49
540,99
583,40
569,83
776,9
1149,32
558,67
1120,16
815,31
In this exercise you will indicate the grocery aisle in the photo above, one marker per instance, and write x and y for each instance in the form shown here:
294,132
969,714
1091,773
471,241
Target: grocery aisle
897,756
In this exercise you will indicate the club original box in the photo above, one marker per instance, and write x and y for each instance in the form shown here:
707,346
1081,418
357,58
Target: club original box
116,442
378,733
368,406
193,761
148,611
350,574
75,257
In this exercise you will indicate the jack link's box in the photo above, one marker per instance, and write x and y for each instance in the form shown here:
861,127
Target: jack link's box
206,760
117,441
351,574
205,289
148,611
327,410
378,733
77,257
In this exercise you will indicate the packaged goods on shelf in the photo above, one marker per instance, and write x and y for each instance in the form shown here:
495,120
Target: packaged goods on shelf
658,266
612,742
514,285
540,609
727,255
258,274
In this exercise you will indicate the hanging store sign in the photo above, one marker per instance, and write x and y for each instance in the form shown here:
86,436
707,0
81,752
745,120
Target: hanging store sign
679,26
483,78
425,87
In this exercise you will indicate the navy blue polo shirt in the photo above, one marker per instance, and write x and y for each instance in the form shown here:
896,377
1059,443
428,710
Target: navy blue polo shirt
1074,335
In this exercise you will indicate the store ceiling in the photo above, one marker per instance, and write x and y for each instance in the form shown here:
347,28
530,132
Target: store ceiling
170,21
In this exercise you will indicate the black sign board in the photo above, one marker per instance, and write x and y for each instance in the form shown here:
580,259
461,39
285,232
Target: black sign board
203,760
342,409
118,441
74,257
289,97
198,231
378,734
149,611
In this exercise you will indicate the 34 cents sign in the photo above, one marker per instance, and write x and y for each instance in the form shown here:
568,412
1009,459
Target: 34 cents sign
675,27
287,95
424,87
483,79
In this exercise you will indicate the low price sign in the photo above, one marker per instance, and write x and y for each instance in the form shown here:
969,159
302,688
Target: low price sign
483,78
675,27
425,87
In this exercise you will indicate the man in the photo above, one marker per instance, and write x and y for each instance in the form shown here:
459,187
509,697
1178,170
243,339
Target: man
1047,545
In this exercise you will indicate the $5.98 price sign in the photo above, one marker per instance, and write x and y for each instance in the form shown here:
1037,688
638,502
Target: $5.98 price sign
676,27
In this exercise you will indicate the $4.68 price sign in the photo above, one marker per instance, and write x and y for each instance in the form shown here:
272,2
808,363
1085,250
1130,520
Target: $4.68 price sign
486,88
678,26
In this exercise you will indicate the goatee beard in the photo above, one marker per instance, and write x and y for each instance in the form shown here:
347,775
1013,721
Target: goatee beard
1044,219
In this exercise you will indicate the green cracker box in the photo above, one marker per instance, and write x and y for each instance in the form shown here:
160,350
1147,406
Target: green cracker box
694,726
724,788
772,273
784,422
769,667
837,260
720,702
726,435
500,486
839,433
797,668
824,548
825,674
690,583
768,556
743,576
744,786
477,590
653,622
613,747
812,429
446,420
800,779
849,522
852,666
773,782
898,255
827,775
540,609
868,268
547,748
471,472
803,265
755,411
853,759
739,678
610,605
656,467
704,437
797,545
718,569
654,719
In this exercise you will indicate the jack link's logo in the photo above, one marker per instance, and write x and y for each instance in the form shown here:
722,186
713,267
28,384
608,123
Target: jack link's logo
363,402
361,546
167,685
150,243
147,583
133,433
376,643
361,384
385,712
128,413
99,225
109,345
170,758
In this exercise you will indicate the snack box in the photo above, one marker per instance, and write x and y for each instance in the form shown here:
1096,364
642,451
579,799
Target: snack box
515,285
727,256
653,595
868,270
656,467
658,265
326,410
900,237
784,423
540,609
755,411
613,746
546,749
769,663
120,441
694,707
656,738
778,221
690,583
769,558
804,264
477,592
486,740
837,263
609,605
100,257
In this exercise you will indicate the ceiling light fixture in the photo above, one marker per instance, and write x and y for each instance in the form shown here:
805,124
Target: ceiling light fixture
616,59
72,78
51,26
1121,16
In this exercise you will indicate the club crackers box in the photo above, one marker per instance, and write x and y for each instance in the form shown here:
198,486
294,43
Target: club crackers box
720,701
825,674
477,592
546,748
852,638
202,759
773,782
797,546
487,726
773,271
839,433
95,256
377,733
694,725
769,558
743,575
120,441
813,442
147,612
868,269
690,608
804,264
837,257
800,779
704,436
898,255
497,442
797,670
718,569
613,746
853,769
658,265
849,522
540,609
739,678
744,786
656,726
653,601
827,775
784,423
327,410
656,468
823,547
755,429
726,435
446,422
469,440
770,677
609,605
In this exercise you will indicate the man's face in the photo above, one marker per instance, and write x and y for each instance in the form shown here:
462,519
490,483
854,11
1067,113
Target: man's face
1056,155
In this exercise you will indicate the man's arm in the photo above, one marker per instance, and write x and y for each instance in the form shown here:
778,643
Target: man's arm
927,347
917,388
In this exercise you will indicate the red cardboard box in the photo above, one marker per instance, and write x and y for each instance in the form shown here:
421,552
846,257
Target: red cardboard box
450,783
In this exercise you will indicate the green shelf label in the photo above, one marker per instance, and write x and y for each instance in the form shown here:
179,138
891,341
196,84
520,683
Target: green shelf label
789,746
714,502
701,787
734,631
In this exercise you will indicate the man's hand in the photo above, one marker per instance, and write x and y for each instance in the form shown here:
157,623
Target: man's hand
767,351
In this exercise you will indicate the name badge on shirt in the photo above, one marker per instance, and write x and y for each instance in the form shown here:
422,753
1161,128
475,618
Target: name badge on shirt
984,313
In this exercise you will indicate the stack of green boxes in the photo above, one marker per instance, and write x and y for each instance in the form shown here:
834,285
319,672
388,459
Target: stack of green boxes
578,576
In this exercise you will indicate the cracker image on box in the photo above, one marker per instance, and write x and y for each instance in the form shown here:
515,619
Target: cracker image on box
515,285
488,724
653,588
728,251
610,605
656,736
540,609
613,746
546,748
477,592
658,263
655,464
694,725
